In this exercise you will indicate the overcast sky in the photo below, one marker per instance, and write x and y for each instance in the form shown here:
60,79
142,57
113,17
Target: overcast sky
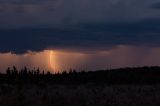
82,25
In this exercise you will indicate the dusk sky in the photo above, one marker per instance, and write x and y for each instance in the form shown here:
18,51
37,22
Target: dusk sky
81,34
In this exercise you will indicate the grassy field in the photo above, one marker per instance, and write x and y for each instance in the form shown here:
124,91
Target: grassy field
79,95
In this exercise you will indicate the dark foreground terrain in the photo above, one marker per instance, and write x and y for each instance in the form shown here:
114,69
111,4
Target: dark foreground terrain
120,87
79,95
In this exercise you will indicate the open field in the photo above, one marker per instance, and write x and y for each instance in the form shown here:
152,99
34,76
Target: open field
79,95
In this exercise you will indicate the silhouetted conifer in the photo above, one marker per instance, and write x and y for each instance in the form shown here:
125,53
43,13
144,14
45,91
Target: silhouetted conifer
123,75
37,71
8,71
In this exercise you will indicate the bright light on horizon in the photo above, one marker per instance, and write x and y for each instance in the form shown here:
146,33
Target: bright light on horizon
52,60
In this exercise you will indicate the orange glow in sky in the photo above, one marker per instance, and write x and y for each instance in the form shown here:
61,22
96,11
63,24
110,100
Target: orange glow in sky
58,60
52,59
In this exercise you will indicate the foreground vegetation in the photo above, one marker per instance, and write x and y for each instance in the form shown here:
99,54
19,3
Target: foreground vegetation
79,95
119,87
140,75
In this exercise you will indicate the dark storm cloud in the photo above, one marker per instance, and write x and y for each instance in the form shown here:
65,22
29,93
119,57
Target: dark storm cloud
89,36
37,25
21,2
155,5
60,12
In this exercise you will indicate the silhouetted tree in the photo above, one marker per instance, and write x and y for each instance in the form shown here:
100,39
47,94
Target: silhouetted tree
15,71
43,73
8,71
38,72
138,75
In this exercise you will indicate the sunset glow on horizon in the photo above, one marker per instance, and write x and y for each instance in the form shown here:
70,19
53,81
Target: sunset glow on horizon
58,60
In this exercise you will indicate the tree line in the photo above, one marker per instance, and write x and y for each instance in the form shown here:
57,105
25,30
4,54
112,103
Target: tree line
138,75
